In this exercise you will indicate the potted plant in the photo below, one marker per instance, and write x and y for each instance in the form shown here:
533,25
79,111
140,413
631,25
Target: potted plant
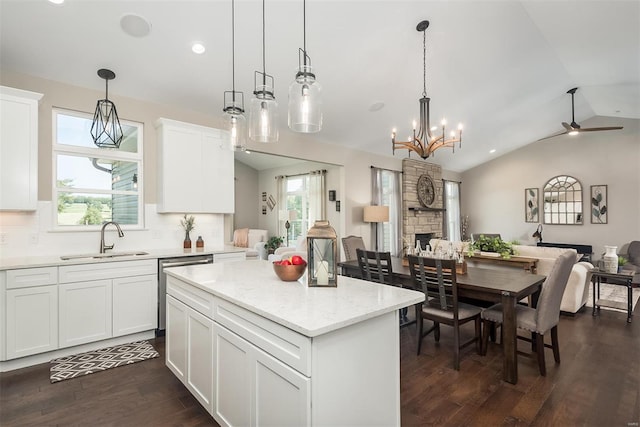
621,261
188,223
273,243
492,244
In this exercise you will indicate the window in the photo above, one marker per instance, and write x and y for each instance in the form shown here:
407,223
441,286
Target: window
387,191
92,185
452,228
297,200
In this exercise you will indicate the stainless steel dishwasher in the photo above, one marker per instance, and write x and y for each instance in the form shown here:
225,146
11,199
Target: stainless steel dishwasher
162,282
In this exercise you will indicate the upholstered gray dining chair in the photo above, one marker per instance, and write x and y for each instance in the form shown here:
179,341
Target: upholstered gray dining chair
544,317
350,244
437,279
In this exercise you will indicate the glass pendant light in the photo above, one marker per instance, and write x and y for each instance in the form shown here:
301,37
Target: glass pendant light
234,119
263,110
105,129
305,93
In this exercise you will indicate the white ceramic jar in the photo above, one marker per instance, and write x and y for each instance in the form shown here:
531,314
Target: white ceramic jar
610,259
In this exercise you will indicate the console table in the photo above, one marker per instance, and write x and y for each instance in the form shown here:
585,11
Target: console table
527,263
624,278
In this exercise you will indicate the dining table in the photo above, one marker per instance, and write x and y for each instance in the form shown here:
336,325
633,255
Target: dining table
497,285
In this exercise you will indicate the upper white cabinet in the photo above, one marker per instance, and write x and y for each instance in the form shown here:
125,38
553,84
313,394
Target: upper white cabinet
195,169
18,149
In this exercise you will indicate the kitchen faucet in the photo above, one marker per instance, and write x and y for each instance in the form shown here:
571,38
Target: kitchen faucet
103,247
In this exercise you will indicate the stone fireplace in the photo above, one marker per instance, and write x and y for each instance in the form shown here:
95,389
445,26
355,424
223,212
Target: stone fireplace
419,221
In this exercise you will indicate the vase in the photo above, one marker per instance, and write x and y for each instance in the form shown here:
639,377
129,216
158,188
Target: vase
610,259
187,241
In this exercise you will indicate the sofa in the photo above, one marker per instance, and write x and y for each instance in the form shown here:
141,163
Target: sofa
632,255
577,290
253,240
288,251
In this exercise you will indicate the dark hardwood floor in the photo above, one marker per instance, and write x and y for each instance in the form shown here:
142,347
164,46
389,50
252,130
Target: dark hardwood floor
597,384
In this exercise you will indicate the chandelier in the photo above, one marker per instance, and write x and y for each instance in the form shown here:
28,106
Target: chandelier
425,142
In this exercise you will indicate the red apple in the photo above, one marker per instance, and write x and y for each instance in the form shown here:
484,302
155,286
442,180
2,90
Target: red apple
285,262
297,260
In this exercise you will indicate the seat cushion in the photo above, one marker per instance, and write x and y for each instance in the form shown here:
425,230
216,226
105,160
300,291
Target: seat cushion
526,316
465,311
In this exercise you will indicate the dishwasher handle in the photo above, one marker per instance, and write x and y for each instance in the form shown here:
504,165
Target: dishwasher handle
181,263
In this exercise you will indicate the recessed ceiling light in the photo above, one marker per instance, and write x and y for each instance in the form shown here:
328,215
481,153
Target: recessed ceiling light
135,25
56,1
198,48
376,106
493,150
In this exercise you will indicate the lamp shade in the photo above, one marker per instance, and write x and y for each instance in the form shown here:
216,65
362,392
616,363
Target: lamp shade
376,213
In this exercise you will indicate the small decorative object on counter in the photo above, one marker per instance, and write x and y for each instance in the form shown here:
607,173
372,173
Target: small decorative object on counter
322,249
610,259
199,242
188,223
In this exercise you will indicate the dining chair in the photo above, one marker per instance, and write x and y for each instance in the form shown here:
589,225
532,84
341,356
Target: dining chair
437,279
541,319
376,267
350,244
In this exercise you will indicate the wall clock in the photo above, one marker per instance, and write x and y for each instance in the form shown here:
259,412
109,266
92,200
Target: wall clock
426,190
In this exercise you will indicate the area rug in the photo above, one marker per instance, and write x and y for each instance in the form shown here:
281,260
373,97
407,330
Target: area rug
613,293
77,365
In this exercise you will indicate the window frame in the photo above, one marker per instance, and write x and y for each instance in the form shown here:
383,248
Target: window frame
88,152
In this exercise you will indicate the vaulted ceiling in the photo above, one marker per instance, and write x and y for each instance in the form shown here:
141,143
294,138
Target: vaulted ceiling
500,67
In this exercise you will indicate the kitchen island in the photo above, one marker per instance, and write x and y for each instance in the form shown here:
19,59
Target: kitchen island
255,350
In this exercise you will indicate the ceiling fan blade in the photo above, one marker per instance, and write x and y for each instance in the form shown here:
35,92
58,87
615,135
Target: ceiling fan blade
553,136
601,128
567,126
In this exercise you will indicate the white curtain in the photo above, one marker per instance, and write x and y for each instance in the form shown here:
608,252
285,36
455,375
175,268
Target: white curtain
386,190
317,199
281,199
452,206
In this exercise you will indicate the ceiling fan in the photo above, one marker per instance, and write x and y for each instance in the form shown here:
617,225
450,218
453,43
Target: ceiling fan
574,128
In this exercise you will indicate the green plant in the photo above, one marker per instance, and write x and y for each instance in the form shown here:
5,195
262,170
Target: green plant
273,243
188,223
622,260
493,244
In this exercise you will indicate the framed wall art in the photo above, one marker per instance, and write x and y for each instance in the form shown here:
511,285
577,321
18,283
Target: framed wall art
599,210
531,210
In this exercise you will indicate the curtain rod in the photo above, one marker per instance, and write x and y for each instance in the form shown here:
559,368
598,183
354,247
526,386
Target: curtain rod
324,171
385,169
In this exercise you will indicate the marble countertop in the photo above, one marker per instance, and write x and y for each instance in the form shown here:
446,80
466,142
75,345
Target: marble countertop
55,260
310,311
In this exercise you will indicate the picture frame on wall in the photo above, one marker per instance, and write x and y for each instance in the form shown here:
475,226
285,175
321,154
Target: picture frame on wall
531,205
599,205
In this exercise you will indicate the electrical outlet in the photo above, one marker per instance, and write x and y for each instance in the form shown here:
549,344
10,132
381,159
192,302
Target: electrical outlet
33,238
3,238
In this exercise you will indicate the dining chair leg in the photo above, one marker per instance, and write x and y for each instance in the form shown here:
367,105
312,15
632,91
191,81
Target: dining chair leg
554,344
486,331
478,335
436,331
419,323
456,347
540,352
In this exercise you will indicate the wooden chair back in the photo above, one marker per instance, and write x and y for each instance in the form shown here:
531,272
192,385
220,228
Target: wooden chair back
375,266
437,279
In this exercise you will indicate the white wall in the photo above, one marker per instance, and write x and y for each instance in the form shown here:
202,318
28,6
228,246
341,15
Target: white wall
493,193
246,194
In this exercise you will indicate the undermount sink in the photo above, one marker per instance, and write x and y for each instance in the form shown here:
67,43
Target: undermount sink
105,255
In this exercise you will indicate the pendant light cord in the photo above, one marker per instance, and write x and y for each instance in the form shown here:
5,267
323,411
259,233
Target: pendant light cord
106,90
233,51
424,63
304,30
264,67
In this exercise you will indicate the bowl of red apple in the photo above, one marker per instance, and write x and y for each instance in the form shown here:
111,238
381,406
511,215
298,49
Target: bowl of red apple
290,269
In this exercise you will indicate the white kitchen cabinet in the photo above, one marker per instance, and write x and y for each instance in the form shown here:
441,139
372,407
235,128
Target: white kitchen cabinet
85,312
195,169
189,350
229,257
135,301
254,388
31,301
18,149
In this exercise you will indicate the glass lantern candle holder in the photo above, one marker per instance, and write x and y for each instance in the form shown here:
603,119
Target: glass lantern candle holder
322,250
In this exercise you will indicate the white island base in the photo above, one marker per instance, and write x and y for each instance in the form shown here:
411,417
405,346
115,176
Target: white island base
257,351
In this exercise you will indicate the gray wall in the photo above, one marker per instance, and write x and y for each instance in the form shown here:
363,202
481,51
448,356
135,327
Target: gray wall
246,196
493,193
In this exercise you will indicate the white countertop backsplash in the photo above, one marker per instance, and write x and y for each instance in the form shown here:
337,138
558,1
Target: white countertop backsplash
311,311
